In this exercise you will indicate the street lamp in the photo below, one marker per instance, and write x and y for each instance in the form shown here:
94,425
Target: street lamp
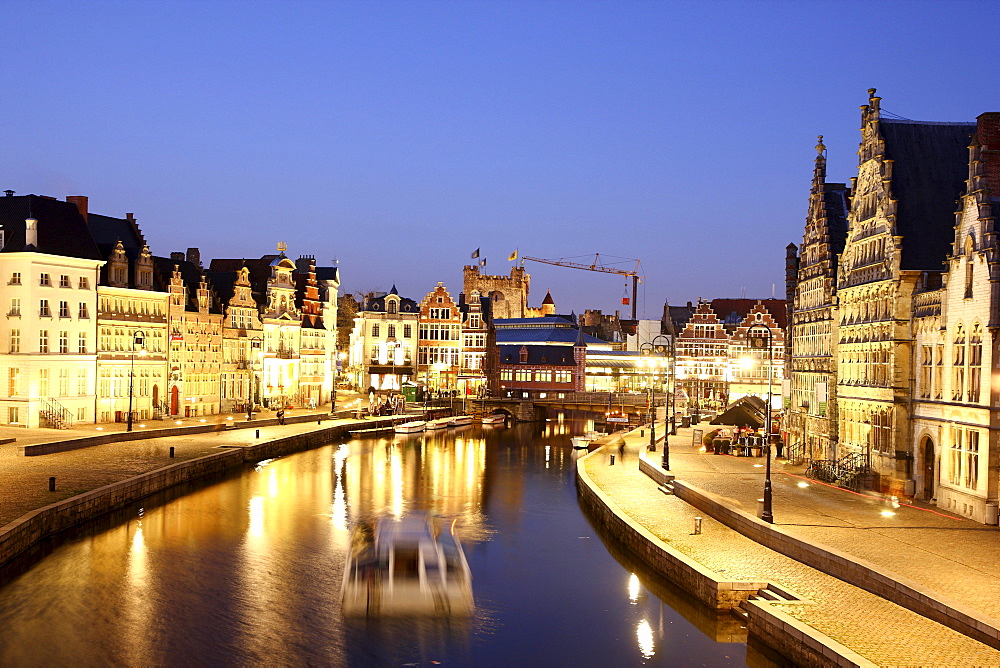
646,350
138,341
759,338
660,348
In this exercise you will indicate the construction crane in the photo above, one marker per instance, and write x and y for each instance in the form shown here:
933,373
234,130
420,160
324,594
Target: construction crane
597,265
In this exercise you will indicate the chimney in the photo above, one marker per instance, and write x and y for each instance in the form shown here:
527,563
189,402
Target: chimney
988,134
81,202
31,233
194,257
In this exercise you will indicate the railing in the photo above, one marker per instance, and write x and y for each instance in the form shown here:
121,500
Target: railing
160,409
852,471
795,453
55,415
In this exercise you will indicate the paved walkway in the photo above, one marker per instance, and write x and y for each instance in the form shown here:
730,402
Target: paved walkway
939,551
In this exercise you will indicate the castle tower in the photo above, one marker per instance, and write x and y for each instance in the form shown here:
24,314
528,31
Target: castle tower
508,294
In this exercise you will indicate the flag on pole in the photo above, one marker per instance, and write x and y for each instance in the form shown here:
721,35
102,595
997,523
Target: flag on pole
475,254
482,263
513,256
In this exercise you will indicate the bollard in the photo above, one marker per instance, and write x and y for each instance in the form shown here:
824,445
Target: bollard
52,484
171,452
319,420
612,460
258,433
642,432
697,526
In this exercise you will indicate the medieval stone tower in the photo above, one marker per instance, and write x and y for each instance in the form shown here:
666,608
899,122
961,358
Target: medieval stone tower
509,295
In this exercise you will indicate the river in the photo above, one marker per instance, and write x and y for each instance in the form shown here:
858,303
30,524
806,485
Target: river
247,570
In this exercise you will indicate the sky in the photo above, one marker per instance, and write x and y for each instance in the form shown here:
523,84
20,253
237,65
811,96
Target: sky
396,138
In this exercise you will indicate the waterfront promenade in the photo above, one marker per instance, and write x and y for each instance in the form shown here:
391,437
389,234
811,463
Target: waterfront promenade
947,557
944,554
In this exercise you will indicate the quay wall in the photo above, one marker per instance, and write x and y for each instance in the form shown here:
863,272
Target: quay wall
694,578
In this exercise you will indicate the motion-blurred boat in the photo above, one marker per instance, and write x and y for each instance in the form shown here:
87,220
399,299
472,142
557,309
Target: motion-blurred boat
406,567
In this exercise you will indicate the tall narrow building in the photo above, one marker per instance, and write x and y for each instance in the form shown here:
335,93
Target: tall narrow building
811,411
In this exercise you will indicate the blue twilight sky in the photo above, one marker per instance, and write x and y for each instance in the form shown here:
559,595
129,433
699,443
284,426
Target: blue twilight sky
398,137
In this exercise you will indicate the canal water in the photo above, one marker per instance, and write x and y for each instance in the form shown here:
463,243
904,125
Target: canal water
247,570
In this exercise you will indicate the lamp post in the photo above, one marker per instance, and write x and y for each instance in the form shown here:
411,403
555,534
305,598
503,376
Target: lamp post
646,350
660,344
758,338
138,340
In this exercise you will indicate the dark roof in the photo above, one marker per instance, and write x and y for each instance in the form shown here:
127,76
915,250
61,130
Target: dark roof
377,304
930,165
537,323
223,282
555,335
107,231
554,355
61,228
747,411
191,275
835,196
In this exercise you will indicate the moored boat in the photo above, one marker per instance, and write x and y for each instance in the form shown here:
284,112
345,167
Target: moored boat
405,567
410,427
459,420
494,419
439,423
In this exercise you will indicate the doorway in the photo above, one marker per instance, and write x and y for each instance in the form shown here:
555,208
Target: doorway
929,470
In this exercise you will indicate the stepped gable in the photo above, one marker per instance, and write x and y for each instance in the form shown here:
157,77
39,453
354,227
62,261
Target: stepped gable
732,311
929,168
62,229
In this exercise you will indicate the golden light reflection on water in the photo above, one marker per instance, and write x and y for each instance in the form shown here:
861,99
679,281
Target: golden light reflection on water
633,588
644,634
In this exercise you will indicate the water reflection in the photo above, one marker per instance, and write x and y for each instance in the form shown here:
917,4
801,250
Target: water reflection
248,570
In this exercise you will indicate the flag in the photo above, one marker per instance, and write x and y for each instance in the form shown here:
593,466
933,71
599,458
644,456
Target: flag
475,254
513,256
482,263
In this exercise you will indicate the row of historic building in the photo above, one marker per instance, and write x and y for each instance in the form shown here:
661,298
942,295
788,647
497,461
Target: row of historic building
894,312
98,328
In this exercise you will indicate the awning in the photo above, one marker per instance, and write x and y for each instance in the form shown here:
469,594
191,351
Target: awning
748,411
391,369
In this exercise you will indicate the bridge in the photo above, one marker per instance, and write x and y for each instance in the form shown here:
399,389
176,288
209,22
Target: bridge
633,406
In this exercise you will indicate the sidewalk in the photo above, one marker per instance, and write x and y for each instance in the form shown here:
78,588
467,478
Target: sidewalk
945,554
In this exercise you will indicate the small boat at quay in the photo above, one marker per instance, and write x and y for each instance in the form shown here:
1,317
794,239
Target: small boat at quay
459,420
410,427
582,442
494,419
439,423
406,567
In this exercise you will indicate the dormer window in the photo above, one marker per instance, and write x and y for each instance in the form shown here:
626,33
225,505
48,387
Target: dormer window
391,306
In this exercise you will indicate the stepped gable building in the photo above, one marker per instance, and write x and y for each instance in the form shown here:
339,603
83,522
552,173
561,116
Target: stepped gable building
242,339
900,224
384,341
508,295
439,346
194,322
317,298
956,446
132,327
50,267
811,400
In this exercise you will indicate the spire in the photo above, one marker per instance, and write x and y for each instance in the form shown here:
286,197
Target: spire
393,291
548,298
580,342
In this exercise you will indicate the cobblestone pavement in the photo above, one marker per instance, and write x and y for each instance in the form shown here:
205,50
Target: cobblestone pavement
882,632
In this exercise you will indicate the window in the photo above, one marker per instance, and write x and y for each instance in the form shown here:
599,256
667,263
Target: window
64,309
15,307
64,281
475,321
375,329
407,331
391,306
44,280
958,367
13,414
83,313
15,278
13,382
84,283
43,341
63,382
43,309
63,341
81,382
43,382
391,329
975,363
926,371
15,340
